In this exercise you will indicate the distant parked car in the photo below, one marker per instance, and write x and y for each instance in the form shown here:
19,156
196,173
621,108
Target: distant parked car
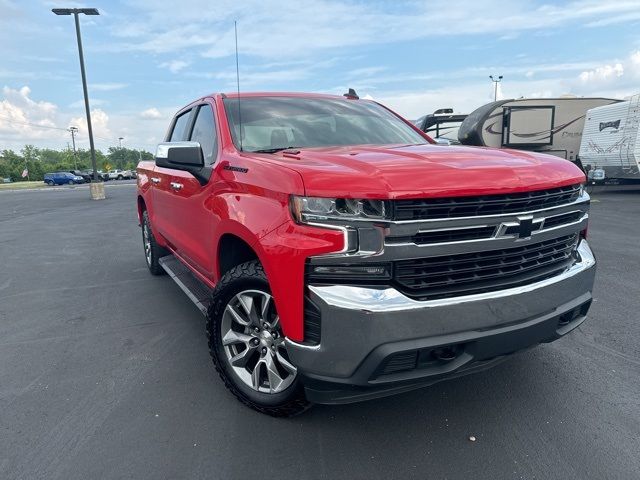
85,175
118,174
103,175
7,180
62,178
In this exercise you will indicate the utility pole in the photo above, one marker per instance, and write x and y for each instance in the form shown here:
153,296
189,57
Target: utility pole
495,84
73,131
96,188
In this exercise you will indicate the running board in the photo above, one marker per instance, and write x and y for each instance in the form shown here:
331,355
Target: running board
197,292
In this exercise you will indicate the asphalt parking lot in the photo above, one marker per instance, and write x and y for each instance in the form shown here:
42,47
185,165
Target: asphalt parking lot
105,373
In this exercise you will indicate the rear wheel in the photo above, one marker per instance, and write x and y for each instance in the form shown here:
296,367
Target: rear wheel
247,345
152,251
49,182
70,182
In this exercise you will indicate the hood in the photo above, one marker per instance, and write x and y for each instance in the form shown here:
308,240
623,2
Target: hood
424,171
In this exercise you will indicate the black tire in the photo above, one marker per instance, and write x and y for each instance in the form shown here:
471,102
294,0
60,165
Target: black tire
287,403
120,177
156,252
71,182
49,182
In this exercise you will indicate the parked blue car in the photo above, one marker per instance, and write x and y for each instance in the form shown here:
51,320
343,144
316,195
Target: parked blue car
62,178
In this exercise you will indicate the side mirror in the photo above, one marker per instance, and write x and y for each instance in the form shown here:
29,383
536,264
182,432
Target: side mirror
180,156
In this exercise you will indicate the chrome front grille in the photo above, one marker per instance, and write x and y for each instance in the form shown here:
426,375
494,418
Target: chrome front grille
478,272
446,248
438,208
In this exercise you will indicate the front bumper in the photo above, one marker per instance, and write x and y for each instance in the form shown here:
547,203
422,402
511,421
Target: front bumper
377,341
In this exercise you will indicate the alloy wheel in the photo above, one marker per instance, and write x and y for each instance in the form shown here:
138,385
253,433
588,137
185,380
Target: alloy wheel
253,342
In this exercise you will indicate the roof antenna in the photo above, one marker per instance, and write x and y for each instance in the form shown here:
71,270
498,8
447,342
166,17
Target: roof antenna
235,27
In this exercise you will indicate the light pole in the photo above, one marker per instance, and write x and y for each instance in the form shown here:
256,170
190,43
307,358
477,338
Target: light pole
495,83
73,131
97,191
120,149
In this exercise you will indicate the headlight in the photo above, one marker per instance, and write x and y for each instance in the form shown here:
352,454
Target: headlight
308,209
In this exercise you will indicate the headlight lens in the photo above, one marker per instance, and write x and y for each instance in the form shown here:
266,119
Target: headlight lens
309,209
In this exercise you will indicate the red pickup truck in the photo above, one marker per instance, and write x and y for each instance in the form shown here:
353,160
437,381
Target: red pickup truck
339,254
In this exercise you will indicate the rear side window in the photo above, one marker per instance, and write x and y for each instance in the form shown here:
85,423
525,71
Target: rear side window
180,126
204,132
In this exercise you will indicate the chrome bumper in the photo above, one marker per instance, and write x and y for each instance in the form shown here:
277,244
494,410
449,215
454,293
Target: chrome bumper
359,326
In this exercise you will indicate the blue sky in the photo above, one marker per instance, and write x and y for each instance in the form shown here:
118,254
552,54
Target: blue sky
146,58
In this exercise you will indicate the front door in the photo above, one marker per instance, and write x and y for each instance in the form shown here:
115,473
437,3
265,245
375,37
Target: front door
192,218
164,210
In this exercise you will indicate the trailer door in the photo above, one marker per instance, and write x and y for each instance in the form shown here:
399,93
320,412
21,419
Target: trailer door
527,126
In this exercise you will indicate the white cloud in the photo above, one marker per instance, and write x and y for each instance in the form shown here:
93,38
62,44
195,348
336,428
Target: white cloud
174,66
99,123
602,74
151,113
22,118
106,87
202,30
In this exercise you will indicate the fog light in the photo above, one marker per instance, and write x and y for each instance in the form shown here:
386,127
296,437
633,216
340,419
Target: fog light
339,270
359,272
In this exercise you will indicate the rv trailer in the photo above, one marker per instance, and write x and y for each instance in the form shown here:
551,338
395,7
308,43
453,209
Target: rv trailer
611,140
546,125
441,124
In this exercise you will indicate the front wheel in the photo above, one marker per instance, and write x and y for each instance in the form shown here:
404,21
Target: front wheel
120,177
247,345
70,182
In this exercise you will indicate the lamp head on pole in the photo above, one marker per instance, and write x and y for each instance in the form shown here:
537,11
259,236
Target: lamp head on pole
70,11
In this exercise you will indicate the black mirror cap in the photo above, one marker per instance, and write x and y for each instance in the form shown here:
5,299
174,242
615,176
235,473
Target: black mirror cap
180,155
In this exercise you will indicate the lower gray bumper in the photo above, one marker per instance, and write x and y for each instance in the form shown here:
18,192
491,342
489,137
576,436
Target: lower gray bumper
361,327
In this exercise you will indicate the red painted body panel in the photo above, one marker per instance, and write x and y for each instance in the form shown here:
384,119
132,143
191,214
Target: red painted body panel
254,205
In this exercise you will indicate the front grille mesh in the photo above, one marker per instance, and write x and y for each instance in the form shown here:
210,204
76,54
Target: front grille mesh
435,208
478,272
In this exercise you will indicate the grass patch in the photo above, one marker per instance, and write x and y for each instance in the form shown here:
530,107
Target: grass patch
22,185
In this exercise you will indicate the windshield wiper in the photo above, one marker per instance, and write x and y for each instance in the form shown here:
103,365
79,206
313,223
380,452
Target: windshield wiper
274,150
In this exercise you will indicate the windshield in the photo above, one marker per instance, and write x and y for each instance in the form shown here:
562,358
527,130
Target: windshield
275,123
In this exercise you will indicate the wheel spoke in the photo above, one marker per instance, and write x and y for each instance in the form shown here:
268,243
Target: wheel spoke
255,375
266,301
275,380
236,337
285,363
237,317
242,358
276,322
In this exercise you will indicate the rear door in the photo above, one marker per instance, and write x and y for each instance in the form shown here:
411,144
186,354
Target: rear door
192,216
164,210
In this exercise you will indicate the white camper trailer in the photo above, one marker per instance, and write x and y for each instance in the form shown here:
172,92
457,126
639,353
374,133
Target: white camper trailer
547,125
611,139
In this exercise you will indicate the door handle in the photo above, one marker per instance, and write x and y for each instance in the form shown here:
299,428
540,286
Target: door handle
176,185
155,180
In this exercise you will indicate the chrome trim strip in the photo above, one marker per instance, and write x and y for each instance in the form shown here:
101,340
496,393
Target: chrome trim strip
372,300
345,234
497,235
292,343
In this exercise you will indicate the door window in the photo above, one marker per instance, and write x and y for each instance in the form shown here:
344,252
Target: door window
204,132
179,128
